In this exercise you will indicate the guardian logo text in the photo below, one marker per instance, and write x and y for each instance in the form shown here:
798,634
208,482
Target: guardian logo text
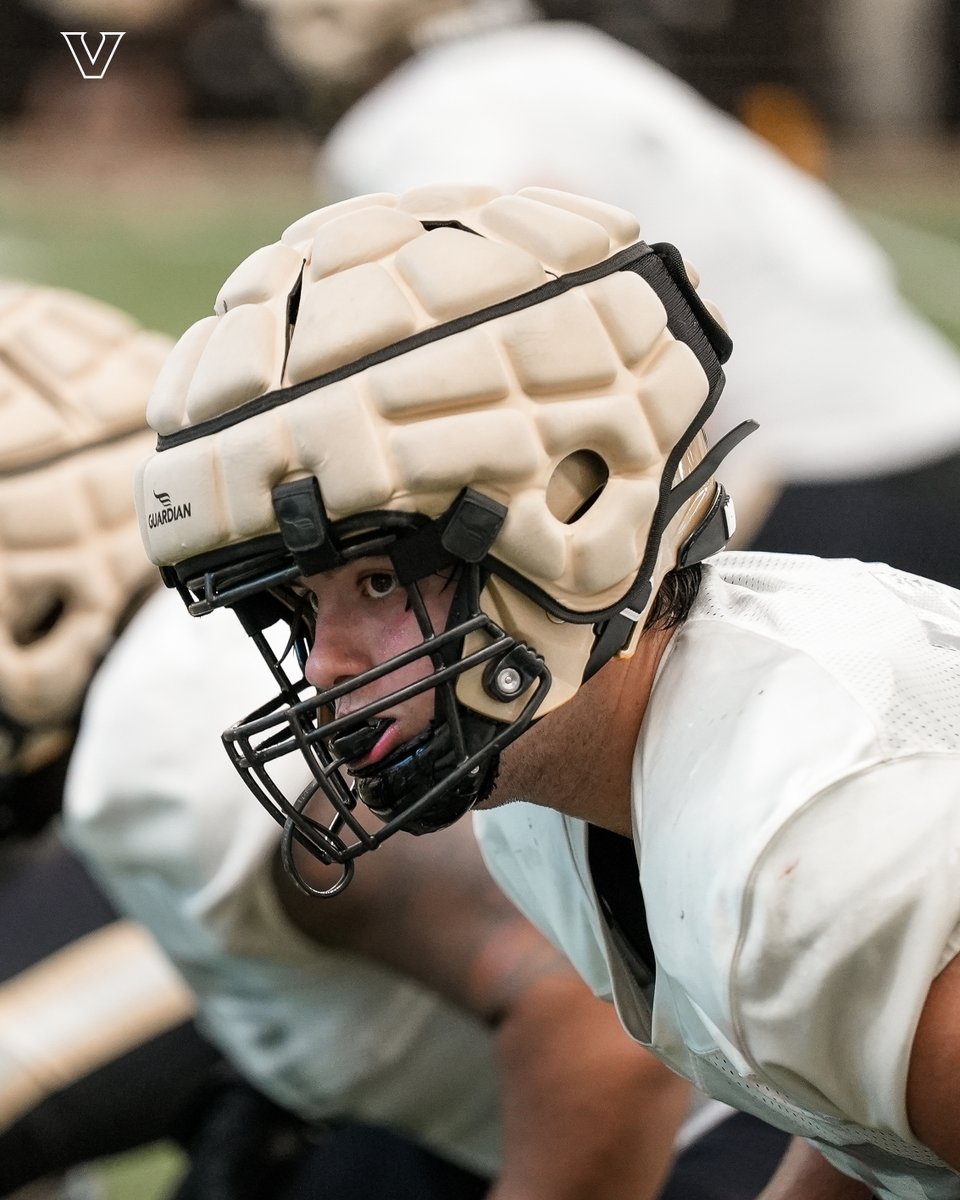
169,512
92,65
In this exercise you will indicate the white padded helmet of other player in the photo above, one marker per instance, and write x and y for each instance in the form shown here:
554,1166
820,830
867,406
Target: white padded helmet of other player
74,379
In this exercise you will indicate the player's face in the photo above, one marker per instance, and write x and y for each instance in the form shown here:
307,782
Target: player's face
363,618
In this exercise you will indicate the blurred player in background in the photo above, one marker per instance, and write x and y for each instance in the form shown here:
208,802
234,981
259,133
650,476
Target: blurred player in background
860,451
98,1051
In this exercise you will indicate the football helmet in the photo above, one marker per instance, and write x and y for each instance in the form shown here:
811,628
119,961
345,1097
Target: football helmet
509,388
74,379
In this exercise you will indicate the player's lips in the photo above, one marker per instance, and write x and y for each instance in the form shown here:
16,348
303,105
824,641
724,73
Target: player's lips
369,744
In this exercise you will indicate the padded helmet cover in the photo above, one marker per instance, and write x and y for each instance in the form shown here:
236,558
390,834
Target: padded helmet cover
320,361
74,379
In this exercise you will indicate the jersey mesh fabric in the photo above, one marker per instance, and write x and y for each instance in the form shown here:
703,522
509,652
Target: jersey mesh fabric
913,711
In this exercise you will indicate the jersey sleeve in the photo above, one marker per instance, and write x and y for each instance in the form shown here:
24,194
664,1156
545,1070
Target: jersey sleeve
538,859
851,912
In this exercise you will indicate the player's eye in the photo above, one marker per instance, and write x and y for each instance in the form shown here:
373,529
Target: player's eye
378,584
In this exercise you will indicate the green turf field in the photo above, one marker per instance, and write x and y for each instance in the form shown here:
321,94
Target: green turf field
912,208
148,1174
156,241
163,268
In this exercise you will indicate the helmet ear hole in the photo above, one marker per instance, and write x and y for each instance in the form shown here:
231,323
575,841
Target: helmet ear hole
576,484
36,624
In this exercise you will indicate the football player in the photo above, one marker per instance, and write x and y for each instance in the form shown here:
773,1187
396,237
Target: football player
443,455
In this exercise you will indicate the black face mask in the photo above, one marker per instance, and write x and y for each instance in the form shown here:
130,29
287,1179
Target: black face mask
421,786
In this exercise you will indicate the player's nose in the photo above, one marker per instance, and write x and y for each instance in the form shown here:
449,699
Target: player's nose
337,653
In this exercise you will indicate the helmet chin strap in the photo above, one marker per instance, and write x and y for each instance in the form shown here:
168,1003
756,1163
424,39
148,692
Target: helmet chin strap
710,535
427,783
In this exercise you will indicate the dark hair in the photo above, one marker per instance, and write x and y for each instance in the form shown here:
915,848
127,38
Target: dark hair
674,597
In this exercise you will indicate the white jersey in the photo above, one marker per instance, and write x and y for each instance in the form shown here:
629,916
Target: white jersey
843,377
155,806
796,797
